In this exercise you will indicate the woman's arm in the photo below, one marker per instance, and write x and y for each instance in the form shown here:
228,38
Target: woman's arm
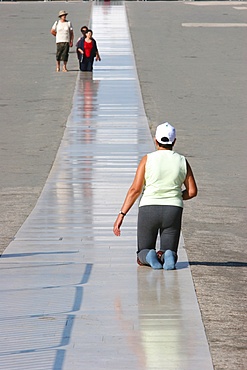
98,56
80,47
132,194
190,184
80,44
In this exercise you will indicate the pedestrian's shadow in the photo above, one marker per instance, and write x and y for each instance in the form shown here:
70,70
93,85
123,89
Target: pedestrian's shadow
182,265
73,70
223,264
12,255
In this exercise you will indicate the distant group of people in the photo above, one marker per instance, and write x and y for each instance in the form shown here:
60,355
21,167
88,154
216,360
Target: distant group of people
86,46
87,50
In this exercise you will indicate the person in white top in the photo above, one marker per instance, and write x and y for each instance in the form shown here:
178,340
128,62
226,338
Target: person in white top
161,175
63,31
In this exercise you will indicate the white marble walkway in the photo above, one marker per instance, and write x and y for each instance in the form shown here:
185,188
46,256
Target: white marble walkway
72,295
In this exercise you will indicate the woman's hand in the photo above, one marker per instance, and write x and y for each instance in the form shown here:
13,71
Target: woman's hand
117,224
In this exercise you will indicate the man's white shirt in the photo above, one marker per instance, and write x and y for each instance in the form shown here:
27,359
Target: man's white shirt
63,31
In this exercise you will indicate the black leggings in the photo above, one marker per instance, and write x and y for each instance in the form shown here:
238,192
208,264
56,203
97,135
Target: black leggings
165,220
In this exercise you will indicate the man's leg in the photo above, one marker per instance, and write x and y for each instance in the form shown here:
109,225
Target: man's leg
65,66
65,56
58,56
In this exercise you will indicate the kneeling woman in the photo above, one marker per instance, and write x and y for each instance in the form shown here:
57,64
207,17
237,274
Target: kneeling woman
87,50
162,173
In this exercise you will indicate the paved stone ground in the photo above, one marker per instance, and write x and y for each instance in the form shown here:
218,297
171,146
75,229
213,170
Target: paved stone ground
194,78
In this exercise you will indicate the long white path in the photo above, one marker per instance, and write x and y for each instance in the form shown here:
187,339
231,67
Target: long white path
72,295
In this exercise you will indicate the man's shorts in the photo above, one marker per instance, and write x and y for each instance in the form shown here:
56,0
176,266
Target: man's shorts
62,51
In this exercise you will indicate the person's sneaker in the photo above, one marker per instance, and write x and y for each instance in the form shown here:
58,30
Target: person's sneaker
170,260
152,260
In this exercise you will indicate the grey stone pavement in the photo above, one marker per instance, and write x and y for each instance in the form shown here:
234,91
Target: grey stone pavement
194,77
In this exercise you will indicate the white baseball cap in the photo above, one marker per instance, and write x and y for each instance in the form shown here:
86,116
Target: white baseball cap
165,133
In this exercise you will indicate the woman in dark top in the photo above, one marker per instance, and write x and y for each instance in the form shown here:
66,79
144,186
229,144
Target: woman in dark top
87,50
